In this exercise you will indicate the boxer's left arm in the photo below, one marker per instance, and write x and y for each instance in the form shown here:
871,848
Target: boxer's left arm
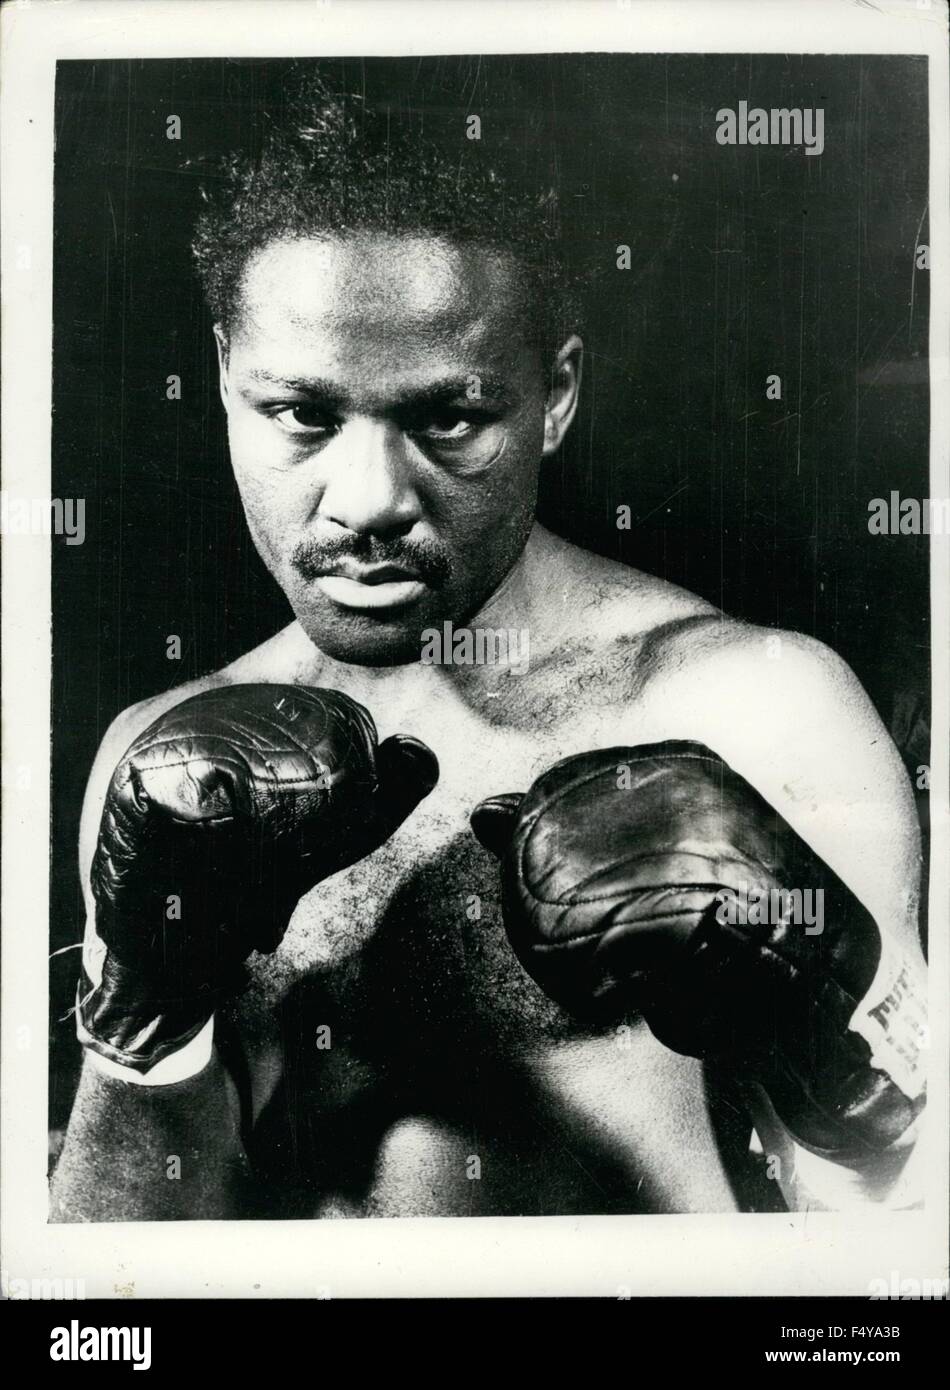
789,718
789,715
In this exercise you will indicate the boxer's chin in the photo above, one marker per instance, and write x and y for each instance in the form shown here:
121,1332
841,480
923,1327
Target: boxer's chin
375,637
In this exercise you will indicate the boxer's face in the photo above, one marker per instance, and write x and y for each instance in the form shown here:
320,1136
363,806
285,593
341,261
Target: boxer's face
387,417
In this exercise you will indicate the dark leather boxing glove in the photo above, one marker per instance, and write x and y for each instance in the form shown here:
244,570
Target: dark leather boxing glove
635,880
219,817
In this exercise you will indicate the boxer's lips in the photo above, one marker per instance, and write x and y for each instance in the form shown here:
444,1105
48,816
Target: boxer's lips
370,587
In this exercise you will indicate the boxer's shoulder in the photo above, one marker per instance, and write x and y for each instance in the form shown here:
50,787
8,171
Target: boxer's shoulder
725,667
679,634
779,706
663,641
135,719
272,661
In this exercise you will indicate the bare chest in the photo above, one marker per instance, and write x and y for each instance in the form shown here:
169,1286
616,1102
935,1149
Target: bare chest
416,926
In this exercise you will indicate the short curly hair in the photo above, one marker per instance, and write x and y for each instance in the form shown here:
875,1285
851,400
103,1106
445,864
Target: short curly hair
330,163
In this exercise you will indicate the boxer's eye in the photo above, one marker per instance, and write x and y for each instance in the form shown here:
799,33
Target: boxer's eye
305,419
447,427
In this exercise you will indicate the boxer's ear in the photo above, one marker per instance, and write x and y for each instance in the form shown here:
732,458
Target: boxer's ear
563,394
221,343
493,820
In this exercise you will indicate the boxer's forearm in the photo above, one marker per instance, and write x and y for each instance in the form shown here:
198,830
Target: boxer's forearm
142,1153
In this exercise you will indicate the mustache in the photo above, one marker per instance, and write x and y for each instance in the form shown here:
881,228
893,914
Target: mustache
312,558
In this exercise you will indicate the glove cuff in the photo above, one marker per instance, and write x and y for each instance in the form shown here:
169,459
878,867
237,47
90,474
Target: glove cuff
182,1065
893,1179
137,1034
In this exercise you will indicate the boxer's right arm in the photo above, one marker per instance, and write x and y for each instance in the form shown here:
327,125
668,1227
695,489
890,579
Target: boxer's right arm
117,1161
215,821
152,1153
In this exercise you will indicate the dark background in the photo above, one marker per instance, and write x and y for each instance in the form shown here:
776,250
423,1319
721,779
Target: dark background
746,261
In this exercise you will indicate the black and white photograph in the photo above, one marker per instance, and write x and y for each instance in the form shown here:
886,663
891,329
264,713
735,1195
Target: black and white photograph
495,707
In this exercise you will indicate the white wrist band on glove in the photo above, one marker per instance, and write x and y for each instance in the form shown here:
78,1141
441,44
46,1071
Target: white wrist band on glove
893,1180
890,1185
188,1061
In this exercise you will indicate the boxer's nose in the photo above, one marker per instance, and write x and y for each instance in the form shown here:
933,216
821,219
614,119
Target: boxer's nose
368,483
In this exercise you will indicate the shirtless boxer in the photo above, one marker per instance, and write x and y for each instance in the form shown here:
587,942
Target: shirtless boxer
307,975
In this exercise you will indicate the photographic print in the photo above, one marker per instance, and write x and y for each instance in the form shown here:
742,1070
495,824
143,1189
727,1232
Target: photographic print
497,593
